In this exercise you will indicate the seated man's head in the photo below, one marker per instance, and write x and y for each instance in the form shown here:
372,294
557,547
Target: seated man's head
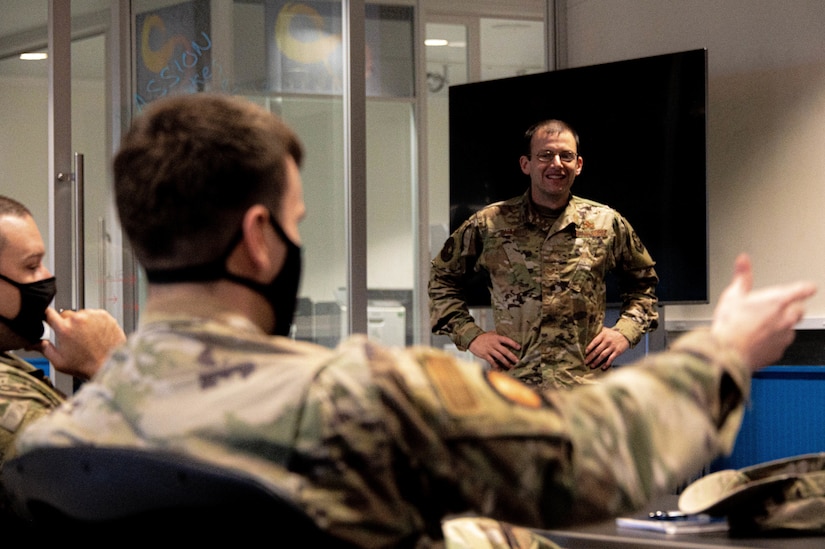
197,176
26,285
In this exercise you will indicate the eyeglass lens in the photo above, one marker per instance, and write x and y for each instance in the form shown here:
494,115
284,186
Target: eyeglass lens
564,156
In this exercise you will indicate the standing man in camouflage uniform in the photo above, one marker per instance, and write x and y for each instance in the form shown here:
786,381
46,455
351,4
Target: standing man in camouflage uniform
376,445
547,253
84,338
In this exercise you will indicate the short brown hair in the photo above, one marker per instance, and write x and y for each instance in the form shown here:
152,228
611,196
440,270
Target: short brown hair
551,125
188,169
10,206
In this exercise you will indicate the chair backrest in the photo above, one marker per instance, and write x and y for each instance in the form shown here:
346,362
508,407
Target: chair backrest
98,492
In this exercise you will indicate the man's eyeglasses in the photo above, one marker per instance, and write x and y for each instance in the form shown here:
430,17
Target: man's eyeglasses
564,156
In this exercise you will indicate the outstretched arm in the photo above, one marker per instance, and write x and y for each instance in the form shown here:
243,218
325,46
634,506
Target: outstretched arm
646,428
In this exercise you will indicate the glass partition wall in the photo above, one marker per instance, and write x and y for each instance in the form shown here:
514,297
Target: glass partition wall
54,145
370,231
291,57
462,46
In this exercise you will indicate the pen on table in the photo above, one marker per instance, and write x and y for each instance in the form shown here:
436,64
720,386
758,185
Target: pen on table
668,515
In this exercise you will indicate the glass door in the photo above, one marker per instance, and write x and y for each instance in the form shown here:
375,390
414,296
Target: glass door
462,48
288,58
291,58
97,271
54,147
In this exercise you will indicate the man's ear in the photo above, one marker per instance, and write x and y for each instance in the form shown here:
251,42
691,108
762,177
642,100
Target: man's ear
255,221
9,300
524,162
264,252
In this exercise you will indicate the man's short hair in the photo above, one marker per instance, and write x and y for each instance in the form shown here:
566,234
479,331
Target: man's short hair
190,167
551,126
10,206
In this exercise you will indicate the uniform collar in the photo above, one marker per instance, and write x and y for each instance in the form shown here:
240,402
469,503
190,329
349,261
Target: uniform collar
184,310
569,216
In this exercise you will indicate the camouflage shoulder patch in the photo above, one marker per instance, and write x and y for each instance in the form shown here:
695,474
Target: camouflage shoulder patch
514,390
455,392
13,414
447,250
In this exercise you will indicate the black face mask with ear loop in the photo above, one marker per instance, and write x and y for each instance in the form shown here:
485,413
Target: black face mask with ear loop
34,298
281,293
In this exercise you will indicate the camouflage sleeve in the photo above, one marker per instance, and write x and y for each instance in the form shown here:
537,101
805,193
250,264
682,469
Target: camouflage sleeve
449,313
483,442
649,428
22,402
637,284
24,398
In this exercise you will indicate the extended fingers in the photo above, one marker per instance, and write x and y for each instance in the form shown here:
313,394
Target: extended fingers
503,357
500,354
800,291
788,299
794,312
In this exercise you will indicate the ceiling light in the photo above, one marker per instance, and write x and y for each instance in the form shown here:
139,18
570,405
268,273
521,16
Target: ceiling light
33,56
435,42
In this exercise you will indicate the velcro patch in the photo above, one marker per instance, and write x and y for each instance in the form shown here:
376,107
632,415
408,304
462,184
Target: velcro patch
456,394
13,416
514,390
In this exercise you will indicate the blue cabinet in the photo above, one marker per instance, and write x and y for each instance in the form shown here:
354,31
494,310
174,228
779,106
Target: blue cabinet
785,417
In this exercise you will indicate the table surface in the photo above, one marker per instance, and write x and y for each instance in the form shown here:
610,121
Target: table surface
607,535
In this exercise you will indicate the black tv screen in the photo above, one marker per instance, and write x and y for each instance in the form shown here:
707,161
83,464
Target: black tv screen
642,125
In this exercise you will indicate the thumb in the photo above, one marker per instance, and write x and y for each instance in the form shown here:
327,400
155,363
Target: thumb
743,274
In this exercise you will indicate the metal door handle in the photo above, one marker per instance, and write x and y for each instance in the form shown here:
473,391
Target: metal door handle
78,234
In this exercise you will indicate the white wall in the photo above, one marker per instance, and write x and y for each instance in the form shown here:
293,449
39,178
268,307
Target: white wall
24,157
24,163
390,246
766,124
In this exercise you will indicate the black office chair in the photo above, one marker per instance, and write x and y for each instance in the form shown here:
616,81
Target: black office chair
103,495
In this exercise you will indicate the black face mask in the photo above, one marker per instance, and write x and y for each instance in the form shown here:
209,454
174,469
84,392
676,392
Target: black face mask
281,293
34,298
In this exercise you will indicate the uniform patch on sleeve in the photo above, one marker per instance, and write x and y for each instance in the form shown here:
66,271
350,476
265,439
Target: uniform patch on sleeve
452,386
514,390
13,416
447,250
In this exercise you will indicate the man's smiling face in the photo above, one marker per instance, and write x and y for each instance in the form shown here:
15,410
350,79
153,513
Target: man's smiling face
551,177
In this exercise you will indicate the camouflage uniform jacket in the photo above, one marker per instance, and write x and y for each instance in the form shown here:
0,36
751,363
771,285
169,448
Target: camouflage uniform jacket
548,283
25,395
379,445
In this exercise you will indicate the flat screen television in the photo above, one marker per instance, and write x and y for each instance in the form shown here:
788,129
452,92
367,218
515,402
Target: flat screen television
642,125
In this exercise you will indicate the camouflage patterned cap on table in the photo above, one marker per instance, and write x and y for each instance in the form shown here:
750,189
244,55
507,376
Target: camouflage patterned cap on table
785,494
